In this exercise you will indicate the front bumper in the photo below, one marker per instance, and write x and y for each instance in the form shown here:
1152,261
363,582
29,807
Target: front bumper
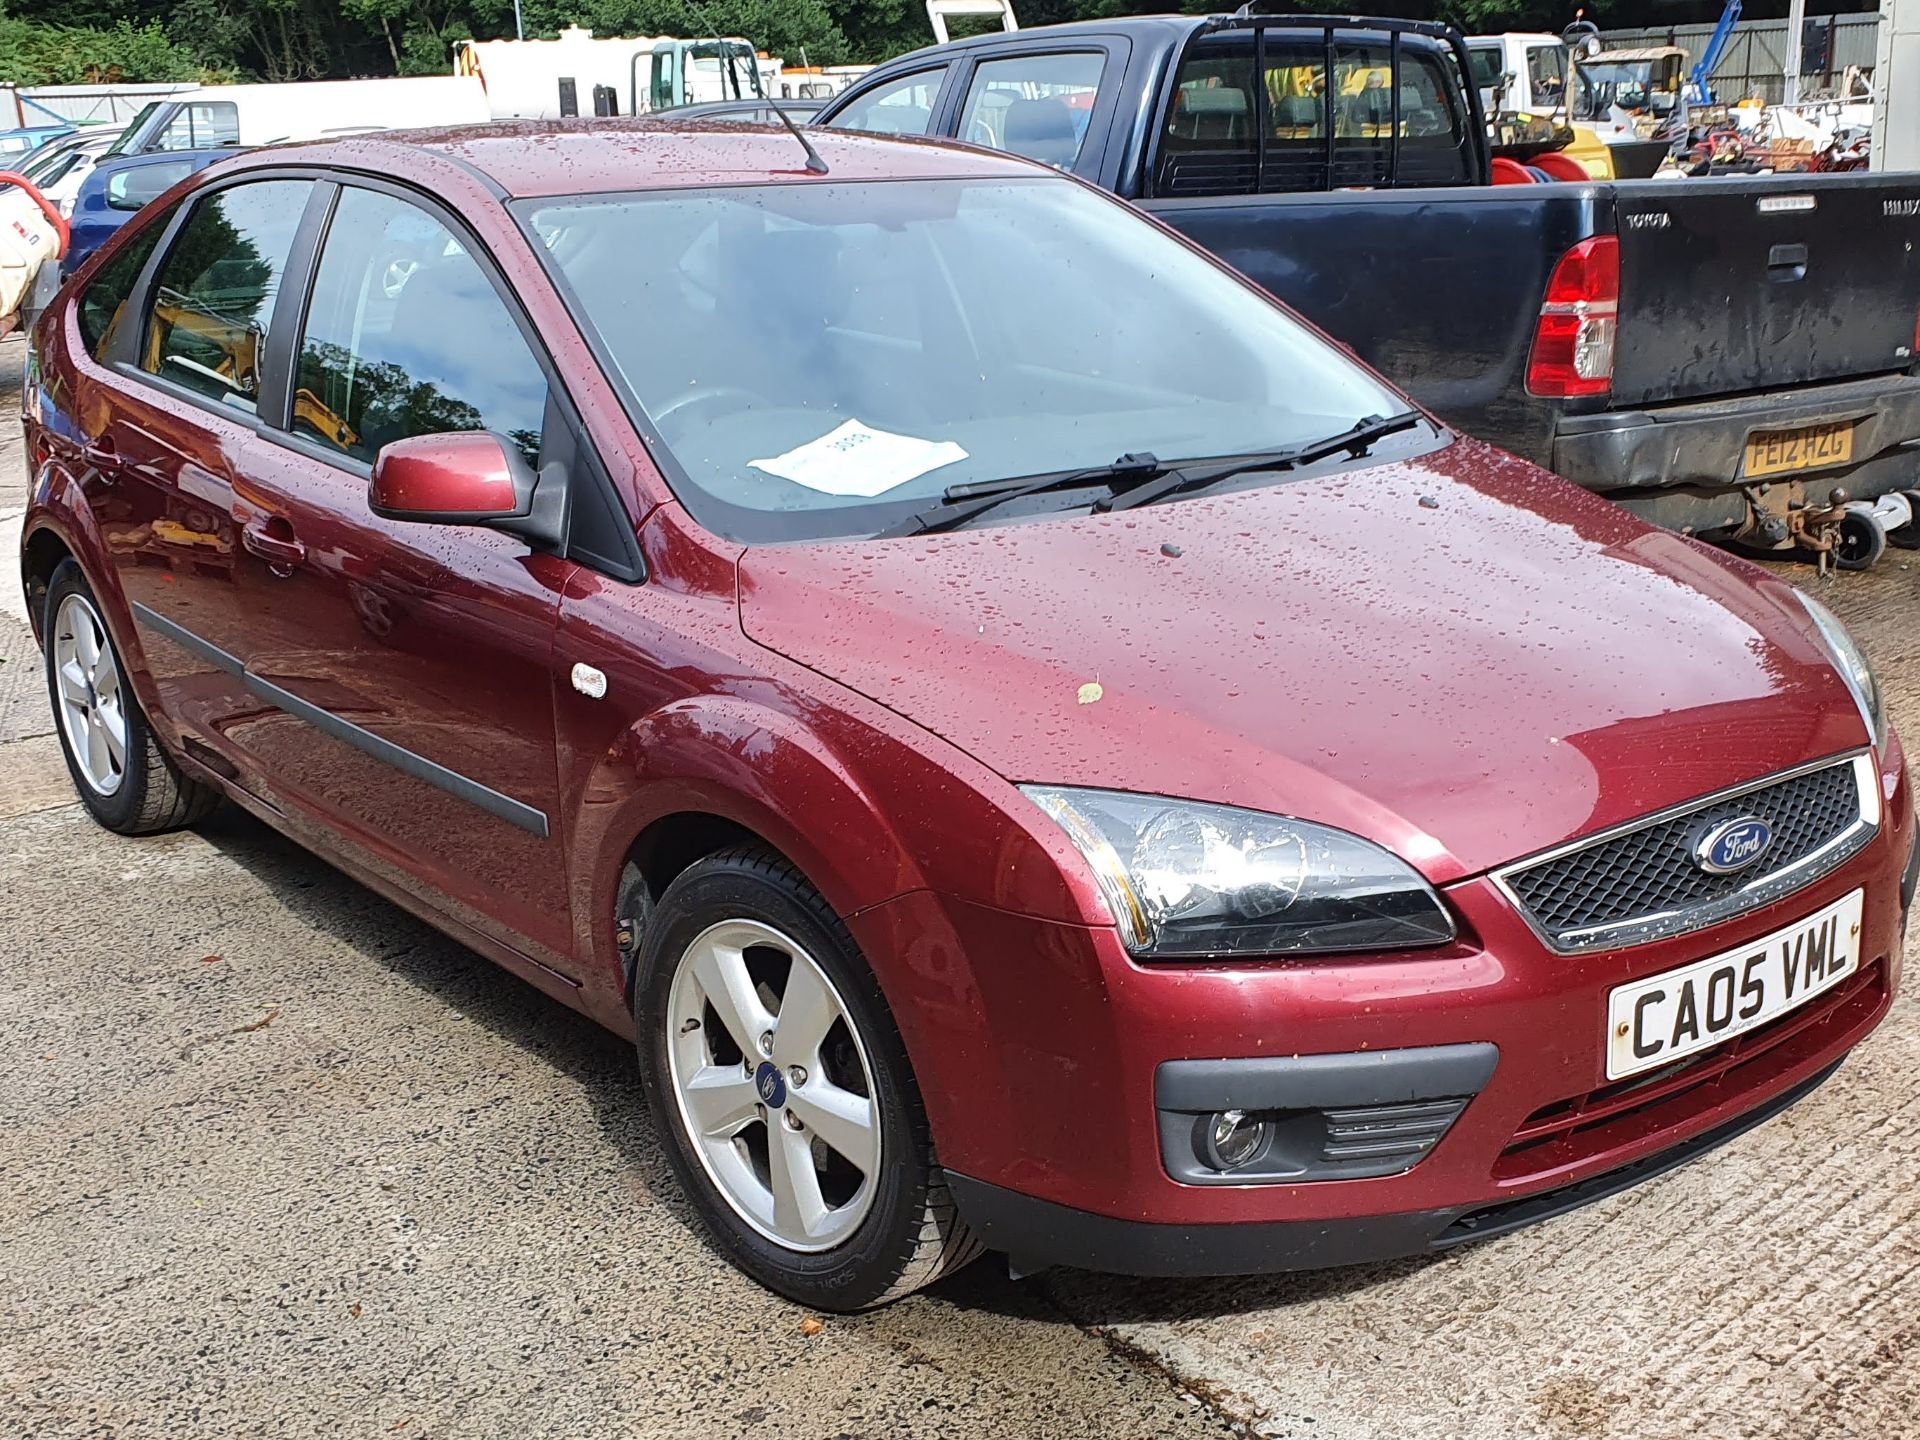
1701,445
1042,1048
1035,1234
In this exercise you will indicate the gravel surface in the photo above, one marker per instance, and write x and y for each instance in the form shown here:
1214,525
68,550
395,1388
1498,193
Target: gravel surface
278,1160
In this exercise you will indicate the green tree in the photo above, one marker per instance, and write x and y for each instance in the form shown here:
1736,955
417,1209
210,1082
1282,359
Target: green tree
40,54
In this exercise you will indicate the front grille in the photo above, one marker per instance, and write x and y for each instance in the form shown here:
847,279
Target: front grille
1642,883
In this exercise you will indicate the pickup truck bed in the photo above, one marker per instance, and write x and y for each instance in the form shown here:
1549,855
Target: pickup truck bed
1763,345
1729,322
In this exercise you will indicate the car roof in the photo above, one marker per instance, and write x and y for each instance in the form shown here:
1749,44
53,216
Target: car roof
793,105
1173,27
583,157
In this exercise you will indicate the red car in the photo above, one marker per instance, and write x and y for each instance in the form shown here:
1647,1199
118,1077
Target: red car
1042,750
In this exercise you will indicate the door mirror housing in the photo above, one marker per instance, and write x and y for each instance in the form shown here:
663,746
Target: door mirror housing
467,477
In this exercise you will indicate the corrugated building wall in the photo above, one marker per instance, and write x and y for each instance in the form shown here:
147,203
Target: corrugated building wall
1756,56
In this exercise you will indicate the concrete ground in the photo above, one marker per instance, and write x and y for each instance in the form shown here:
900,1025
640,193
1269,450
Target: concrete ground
278,1160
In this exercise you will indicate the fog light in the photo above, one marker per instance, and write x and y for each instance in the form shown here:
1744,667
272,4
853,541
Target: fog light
1233,1138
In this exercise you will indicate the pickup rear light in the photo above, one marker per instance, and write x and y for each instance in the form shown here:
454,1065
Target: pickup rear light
1573,343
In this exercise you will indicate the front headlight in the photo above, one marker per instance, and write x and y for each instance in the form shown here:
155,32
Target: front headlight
1185,878
1849,660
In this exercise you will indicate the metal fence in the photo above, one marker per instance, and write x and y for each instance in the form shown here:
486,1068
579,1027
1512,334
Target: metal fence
79,104
1756,56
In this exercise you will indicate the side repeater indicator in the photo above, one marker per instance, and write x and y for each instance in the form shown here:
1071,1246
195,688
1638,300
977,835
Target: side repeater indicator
590,682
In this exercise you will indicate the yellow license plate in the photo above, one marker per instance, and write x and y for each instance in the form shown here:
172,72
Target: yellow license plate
1811,447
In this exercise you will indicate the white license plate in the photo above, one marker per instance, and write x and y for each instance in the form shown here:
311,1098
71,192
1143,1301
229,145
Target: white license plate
1668,1017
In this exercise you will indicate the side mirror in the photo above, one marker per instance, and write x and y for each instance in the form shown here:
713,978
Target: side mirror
465,477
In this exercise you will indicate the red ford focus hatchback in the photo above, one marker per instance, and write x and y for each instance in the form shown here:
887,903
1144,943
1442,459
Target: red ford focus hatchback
1042,750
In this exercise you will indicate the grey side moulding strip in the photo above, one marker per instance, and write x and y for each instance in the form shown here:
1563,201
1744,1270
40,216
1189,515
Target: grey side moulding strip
464,787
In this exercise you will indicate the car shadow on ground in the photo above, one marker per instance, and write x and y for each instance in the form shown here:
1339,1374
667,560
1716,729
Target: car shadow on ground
1100,1300
337,905
607,1075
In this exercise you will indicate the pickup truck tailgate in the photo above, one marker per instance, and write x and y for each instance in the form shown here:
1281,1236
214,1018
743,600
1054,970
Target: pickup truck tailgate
1731,285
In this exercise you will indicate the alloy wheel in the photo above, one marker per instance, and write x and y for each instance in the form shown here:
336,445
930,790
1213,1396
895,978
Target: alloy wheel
92,709
773,1085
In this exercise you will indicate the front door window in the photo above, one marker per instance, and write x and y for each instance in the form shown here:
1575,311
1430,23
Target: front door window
406,336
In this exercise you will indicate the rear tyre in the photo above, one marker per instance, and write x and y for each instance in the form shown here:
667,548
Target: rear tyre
782,1089
122,775
1861,542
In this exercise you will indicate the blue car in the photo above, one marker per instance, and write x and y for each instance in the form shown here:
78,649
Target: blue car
120,185
17,144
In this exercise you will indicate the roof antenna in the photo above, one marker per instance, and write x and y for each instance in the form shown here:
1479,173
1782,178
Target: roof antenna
815,165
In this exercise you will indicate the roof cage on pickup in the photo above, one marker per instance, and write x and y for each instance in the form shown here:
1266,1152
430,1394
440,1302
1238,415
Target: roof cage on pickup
1264,175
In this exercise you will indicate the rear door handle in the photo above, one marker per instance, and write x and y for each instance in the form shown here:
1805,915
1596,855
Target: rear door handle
1787,262
272,539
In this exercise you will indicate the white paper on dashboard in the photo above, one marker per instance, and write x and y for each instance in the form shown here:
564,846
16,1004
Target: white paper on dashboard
855,459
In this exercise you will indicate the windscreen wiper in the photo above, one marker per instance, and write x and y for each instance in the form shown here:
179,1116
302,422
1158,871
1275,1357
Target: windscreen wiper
1182,480
960,503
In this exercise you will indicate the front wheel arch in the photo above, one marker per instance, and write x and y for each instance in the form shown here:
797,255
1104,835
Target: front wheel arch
695,776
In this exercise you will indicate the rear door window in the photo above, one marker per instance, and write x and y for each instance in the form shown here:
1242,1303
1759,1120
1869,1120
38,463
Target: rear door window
406,335
1034,105
899,107
213,299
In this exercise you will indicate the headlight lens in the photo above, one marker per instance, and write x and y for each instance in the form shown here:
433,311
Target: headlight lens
1849,660
1185,878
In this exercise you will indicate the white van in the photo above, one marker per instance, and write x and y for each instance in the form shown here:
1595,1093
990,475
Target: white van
246,115
584,74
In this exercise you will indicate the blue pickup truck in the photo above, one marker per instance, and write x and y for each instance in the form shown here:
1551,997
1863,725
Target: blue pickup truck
1715,355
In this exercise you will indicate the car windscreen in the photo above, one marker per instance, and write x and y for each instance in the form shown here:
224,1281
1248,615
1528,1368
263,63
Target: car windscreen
134,127
822,359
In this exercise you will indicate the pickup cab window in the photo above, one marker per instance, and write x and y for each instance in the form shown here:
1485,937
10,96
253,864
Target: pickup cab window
1034,105
1216,142
901,107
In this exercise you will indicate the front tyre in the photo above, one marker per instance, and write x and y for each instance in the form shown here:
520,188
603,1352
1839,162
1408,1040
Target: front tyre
779,1081
122,775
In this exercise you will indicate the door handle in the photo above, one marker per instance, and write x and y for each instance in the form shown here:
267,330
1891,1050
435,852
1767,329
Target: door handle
1787,262
272,539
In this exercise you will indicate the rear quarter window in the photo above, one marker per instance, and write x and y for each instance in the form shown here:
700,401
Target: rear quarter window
103,305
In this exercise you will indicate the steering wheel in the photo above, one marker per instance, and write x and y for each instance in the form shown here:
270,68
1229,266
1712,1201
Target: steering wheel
732,396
